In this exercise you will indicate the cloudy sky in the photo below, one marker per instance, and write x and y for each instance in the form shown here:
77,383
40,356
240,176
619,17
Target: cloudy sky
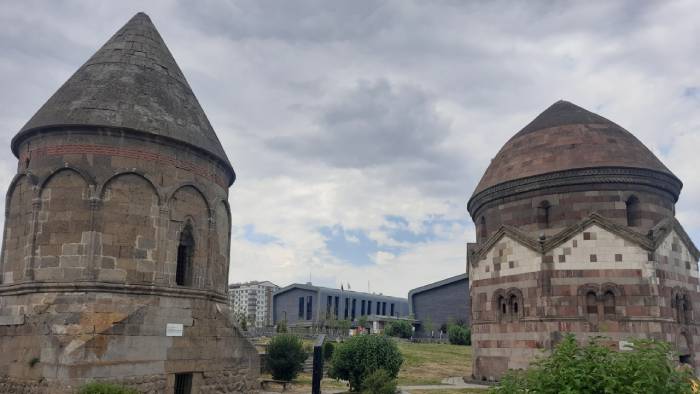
359,129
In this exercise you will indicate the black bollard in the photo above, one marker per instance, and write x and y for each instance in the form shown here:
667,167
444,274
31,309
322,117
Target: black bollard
317,373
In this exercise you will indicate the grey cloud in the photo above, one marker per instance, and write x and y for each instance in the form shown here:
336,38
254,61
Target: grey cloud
373,124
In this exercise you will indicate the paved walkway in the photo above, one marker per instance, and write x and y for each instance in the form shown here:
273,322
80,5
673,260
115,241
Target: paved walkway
448,383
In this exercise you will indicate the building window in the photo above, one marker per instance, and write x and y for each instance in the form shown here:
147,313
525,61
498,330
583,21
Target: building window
301,308
346,308
337,301
513,305
362,308
609,303
632,205
379,305
369,307
329,305
682,307
591,303
392,309
354,303
543,214
482,229
383,308
309,308
183,383
185,251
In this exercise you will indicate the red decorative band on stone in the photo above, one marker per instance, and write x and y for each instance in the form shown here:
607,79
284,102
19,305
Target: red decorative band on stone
138,154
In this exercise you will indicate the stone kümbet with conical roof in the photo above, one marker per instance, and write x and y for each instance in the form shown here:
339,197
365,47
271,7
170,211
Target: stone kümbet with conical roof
131,83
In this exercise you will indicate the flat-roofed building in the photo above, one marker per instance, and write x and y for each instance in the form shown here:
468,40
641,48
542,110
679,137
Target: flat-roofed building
437,304
302,305
252,300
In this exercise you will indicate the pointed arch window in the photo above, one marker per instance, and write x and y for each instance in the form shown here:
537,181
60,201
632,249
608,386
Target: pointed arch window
185,253
632,206
543,214
609,303
591,303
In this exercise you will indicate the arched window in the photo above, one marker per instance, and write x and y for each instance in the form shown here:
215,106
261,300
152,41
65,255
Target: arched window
185,252
609,303
482,229
632,206
682,308
543,214
502,307
591,303
513,306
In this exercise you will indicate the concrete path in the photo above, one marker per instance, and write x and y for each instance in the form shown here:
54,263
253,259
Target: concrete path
448,383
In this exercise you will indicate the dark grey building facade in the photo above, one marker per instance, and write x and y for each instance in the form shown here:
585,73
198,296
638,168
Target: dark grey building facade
305,304
439,303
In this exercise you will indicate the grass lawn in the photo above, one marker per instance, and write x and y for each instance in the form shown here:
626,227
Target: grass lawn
427,363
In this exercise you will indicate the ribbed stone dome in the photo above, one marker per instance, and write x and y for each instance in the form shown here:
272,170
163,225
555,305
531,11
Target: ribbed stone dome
131,83
566,137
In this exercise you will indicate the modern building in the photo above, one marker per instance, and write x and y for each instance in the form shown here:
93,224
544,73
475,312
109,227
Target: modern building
438,304
252,300
576,234
303,305
117,230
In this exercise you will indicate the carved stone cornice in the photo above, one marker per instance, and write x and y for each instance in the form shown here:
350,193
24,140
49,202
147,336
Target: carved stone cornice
103,287
582,176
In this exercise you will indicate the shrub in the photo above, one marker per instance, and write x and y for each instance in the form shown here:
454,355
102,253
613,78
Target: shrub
359,356
281,327
105,388
594,368
328,349
459,335
285,357
399,328
379,382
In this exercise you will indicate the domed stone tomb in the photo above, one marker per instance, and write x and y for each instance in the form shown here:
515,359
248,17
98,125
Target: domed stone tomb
115,253
576,233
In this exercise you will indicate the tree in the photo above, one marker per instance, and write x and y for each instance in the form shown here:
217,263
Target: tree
359,356
399,328
459,335
594,368
428,326
243,321
285,356
363,322
344,326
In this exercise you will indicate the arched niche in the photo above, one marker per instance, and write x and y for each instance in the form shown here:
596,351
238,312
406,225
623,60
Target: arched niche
63,227
188,207
17,237
128,222
220,268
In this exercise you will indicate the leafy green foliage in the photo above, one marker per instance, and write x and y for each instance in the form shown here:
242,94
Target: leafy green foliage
359,356
285,356
363,322
105,388
594,368
399,328
459,335
328,349
281,327
379,382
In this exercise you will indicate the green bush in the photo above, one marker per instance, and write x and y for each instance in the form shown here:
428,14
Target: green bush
285,356
359,356
105,388
379,382
594,368
328,349
281,327
459,335
399,328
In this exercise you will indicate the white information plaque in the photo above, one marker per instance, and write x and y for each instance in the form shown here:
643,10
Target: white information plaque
173,330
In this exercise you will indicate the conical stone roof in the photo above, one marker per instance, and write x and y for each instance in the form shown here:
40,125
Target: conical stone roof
565,137
134,83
